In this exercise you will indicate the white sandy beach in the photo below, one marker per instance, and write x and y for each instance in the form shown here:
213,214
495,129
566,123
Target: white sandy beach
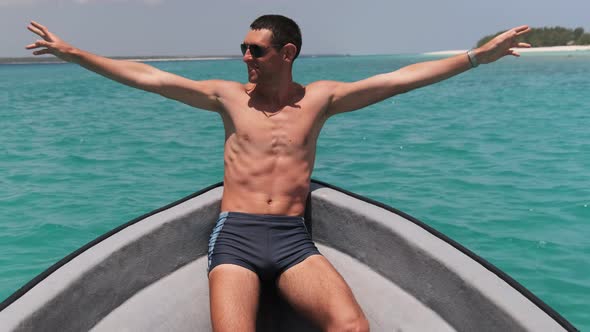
556,49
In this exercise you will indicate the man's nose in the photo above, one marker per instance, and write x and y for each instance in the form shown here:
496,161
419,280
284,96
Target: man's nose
247,56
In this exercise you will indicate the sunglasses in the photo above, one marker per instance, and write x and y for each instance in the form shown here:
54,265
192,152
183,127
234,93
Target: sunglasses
256,50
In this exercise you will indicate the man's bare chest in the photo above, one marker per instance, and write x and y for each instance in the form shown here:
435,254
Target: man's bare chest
291,127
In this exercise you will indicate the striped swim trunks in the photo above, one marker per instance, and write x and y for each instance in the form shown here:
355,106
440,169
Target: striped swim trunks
266,244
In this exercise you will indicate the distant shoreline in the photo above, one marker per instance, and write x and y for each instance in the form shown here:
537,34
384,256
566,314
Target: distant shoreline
552,49
50,60
53,60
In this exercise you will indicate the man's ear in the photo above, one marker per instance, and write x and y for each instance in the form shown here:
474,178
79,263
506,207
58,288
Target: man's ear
289,52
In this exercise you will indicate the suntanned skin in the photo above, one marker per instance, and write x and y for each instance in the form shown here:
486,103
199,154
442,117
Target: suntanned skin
271,128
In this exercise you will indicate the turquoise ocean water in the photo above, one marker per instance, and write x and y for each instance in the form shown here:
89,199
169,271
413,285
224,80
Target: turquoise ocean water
497,158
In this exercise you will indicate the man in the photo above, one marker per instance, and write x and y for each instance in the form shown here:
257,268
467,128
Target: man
271,128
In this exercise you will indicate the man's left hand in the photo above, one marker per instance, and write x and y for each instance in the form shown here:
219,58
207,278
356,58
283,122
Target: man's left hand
502,45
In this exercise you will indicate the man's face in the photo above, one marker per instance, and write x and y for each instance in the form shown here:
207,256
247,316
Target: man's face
259,43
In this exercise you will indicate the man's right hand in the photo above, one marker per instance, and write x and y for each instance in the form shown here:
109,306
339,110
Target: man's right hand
52,44
200,94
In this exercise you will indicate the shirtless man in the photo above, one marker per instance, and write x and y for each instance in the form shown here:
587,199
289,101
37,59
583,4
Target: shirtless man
271,128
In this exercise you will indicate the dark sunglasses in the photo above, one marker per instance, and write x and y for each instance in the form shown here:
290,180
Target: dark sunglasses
256,50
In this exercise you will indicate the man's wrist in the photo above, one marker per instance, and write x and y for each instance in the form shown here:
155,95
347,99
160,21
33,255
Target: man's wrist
73,54
472,56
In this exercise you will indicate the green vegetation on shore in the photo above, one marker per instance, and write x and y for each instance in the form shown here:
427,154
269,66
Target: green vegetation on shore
549,36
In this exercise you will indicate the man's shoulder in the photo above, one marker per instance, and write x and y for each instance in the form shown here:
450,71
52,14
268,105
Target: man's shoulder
325,89
228,88
229,84
323,86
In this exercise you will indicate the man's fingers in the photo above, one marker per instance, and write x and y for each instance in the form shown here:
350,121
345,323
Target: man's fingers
39,26
513,52
521,30
42,31
520,44
37,44
43,51
36,31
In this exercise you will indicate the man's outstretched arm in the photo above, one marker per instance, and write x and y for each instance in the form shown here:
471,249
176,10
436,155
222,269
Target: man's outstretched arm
355,95
200,94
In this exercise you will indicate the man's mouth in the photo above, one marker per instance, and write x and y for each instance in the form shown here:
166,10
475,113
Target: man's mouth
253,68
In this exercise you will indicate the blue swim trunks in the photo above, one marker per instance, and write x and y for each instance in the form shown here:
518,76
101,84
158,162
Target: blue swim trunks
265,244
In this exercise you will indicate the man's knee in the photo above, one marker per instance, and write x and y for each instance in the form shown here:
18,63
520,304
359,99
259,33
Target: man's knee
350,324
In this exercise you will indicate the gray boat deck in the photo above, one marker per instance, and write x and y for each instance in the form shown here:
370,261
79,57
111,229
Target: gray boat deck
151,276
387,307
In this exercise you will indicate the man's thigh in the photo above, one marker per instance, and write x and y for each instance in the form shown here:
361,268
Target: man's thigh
233,298
316,289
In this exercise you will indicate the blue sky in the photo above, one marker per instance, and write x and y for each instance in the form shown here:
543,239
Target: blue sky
196,27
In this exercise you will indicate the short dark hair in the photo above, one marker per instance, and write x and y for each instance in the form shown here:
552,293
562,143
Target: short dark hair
284,30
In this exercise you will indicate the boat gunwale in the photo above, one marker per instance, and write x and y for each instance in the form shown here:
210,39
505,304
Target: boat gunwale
483,262
43,275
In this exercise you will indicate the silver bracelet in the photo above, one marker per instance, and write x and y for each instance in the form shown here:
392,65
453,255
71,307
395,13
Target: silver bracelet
472,59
